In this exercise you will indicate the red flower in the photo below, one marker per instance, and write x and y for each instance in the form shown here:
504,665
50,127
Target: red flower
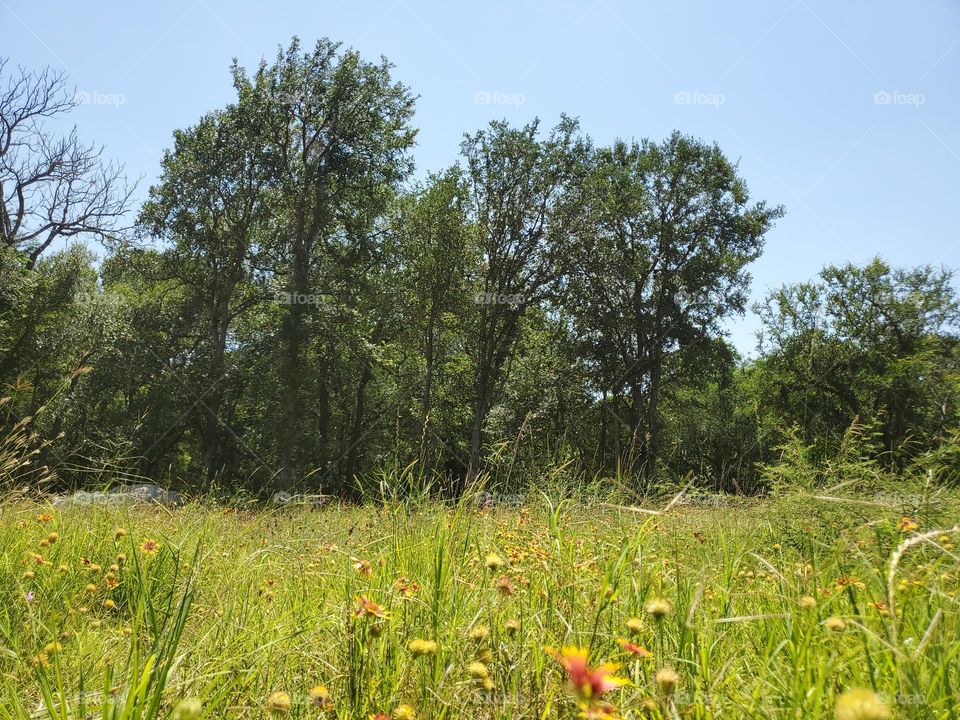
587,683
637,650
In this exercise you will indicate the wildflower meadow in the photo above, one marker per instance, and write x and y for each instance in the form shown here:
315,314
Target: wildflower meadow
783,608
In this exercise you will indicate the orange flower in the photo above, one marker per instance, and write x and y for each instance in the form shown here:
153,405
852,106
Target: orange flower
368,608
586,683
637,650
405,587
150,547
363,567
906,524
45,517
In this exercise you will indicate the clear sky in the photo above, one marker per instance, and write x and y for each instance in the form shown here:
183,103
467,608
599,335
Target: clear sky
848,112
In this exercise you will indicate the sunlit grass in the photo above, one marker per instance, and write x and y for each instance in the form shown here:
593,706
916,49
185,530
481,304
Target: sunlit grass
768,609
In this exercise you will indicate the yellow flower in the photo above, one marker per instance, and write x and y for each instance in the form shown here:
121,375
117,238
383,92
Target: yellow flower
320,696
667,680
404,712
279,703
635,626
149,546
119,533
658,607
478,670
479,633
907,525
53,648
109,604
835,624
189,709
807,602
860,704
420,647
494,562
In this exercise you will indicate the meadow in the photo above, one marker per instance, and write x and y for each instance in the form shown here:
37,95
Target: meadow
789,607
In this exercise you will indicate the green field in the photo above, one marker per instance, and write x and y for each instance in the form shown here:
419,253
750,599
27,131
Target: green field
126,612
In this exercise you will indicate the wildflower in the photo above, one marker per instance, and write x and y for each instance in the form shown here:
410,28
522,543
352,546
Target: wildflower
479,633
52,538
658,607
404,712
368,608
150,547
860,704
45,517
111,581
363,567
90,588
504,585
405,587
478,670
121,558
420,647
881,607
109,604
41,661
38,559
906,524
667,679
835,624
635,626
637,650
586,683
494,562
278,703
807,602
380,716
189,709
512,627
52,648
29,575
63,567
119,533
28,597
320,697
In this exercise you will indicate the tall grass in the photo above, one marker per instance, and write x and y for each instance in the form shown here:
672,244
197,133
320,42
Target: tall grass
237,605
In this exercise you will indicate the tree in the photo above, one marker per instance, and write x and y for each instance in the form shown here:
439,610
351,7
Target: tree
213,205
434,246
871,343
671,232
51,187
335,131
523,194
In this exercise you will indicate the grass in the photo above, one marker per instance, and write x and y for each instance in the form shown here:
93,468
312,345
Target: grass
249,610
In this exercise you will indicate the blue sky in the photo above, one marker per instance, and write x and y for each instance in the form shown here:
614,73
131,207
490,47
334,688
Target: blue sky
848,113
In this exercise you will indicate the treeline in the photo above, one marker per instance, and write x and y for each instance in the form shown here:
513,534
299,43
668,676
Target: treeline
291,310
